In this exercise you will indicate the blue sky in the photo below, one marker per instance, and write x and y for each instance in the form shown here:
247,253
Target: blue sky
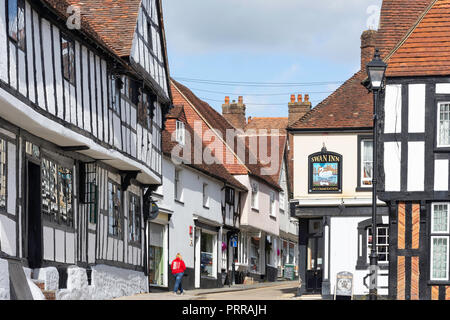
266,41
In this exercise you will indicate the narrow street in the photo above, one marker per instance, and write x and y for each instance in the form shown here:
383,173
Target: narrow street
284,291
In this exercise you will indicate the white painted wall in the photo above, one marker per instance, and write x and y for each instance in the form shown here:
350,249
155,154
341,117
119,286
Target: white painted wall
184,213
392,165
4,280
416,166
344,254
393,109
416,112
441,175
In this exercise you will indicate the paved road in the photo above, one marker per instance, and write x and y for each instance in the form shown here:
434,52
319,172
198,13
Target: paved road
284,291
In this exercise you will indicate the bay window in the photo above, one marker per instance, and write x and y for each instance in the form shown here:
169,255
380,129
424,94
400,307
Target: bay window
254,254
207,256
180,136
440,237
382,243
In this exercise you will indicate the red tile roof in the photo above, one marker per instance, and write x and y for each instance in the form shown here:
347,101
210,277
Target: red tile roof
396,18
214,170
268,123
218,123
115,21
426,50
350,106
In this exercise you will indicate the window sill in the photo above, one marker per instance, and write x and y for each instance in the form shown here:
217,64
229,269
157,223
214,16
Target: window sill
382,266
179,202
364,189
255,210
135,244
205,207
208,277
158,195
438,282
115,237
273,217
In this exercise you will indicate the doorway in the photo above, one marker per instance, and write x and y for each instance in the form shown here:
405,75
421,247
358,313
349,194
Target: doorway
314,263
34,218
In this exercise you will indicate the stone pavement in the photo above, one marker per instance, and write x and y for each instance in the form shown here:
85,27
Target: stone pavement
199,294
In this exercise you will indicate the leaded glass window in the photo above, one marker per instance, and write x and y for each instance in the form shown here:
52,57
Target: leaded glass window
440,238
57,192
134,219
3,174
114,210
443,124
382,242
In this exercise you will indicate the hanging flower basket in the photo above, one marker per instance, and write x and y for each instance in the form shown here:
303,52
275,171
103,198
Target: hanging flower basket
224,246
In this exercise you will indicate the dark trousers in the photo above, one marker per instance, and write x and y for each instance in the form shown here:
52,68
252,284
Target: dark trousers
178,280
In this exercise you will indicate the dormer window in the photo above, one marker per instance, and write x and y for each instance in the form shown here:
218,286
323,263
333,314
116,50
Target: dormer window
180,133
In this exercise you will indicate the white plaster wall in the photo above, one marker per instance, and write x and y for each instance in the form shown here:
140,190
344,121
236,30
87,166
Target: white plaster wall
4,280
183,213
416,166
416,113
344,254
392,165
260,219
393,109
441,175
345,144
8,235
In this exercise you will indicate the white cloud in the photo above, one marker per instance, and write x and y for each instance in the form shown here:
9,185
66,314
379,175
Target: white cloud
323,28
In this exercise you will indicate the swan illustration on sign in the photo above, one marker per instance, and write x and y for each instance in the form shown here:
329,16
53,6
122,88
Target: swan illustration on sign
325,174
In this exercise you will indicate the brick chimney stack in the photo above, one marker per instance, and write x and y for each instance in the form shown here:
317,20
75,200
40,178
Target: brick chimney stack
235,112
368,43
299,108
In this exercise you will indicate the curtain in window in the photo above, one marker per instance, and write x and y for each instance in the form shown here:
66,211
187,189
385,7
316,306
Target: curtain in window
444,124
440,258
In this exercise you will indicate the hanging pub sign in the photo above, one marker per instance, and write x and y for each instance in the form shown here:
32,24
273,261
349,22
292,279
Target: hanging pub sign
325,172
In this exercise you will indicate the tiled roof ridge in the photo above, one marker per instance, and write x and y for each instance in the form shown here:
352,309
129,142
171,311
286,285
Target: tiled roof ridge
410,31
250,168
324,103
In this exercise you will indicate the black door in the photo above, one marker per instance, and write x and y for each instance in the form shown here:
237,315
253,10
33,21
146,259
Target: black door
314,270
34,224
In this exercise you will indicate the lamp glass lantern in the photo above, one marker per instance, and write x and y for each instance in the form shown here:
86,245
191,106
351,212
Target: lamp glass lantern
376,70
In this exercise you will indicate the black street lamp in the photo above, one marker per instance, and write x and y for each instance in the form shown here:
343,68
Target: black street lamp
376,70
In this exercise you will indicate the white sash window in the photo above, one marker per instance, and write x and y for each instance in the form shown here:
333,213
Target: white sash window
443,132
440,237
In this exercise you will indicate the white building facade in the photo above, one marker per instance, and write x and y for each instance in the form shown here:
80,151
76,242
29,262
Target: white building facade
80,136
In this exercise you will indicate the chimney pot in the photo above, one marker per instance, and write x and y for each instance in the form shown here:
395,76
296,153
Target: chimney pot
368,43
300,99
292,98
306,97
227,100
241,100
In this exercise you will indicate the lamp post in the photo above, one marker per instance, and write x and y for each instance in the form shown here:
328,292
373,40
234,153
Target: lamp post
376,70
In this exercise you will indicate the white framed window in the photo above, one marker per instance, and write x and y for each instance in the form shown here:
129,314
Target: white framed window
282,201
255,195
382,243
366,162
440,238
177,185
180,133
443,124
205,195
272,204
242,248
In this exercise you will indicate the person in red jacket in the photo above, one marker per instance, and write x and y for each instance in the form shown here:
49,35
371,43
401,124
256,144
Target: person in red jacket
178,267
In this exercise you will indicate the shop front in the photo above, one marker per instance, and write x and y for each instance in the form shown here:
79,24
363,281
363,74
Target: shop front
158,260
